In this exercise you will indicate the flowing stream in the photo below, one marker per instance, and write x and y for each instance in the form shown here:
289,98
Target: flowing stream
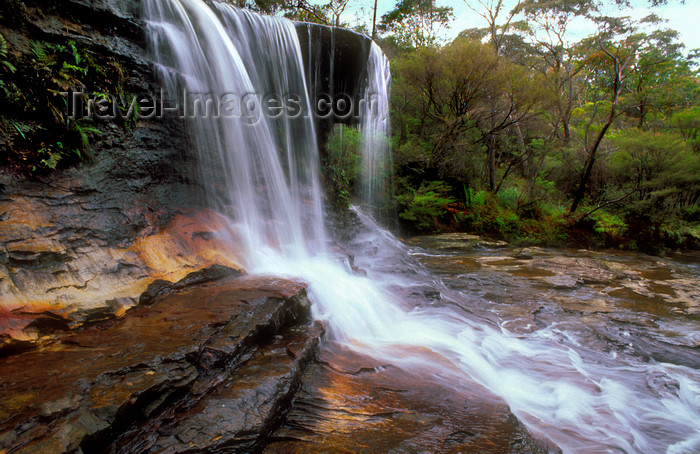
579,395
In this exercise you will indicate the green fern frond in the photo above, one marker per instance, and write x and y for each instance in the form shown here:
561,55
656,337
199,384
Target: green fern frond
3,47
3,56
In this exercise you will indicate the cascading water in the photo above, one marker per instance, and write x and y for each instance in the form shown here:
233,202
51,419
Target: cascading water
376,158
583,400
269,165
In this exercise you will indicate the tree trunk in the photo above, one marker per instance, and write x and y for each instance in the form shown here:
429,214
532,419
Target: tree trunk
492,162
590,161
374,21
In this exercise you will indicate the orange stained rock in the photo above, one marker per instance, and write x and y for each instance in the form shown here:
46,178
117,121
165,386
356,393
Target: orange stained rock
45,274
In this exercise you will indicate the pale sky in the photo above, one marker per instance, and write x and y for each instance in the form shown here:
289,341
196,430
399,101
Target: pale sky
683,18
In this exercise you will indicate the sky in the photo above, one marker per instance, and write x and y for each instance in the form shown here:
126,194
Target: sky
681,17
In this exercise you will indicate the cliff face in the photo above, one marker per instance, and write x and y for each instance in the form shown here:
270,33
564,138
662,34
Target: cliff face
99,232
336,62
94,235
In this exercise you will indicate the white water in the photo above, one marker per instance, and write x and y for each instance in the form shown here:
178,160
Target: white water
582,400
376,156
270,184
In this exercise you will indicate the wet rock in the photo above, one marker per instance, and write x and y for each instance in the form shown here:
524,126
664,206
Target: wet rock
157,288
11,346
87,317
86,389
208,274
76,238
240,414
662,384
588,270
119,306
563,281
47,323
352,403
585,305
160,287
137,210
34,250
528,253
497,244
447,241
338,55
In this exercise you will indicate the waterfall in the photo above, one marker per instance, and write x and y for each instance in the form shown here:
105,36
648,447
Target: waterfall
268,184
376,162
268,166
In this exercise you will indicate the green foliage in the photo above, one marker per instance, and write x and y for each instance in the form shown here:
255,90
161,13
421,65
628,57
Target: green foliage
687,123
608,224
415,23
35,124
426,207
6,67
342,163
4,62
299,10
608,124
485,214
661,167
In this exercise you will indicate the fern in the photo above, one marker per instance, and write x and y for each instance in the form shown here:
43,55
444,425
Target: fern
75,53
83,132
68,67
38,50
21,128
3,56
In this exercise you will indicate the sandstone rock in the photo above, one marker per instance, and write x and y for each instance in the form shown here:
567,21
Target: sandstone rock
240,414
588,270
91,389
160,287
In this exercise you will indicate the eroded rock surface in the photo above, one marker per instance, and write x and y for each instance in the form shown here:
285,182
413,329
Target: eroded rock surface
131,212
349,403
633,304
164,370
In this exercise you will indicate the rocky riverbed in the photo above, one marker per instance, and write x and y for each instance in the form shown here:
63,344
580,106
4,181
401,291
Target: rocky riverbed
625,303
225,362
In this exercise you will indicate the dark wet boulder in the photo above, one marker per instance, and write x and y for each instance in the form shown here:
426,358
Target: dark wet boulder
104,387
160,287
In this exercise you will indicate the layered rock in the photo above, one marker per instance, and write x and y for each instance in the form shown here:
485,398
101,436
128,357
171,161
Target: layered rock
130,213
205,367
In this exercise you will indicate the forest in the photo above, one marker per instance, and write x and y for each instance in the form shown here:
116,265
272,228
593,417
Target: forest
516,130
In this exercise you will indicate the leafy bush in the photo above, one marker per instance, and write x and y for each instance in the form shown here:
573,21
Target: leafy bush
608,224
34,122
426,207
342,163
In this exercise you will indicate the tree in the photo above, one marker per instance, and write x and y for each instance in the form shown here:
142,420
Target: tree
619,53
546,24
491,9
660,169
374,20
456,102
416,23
300,10
336,9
